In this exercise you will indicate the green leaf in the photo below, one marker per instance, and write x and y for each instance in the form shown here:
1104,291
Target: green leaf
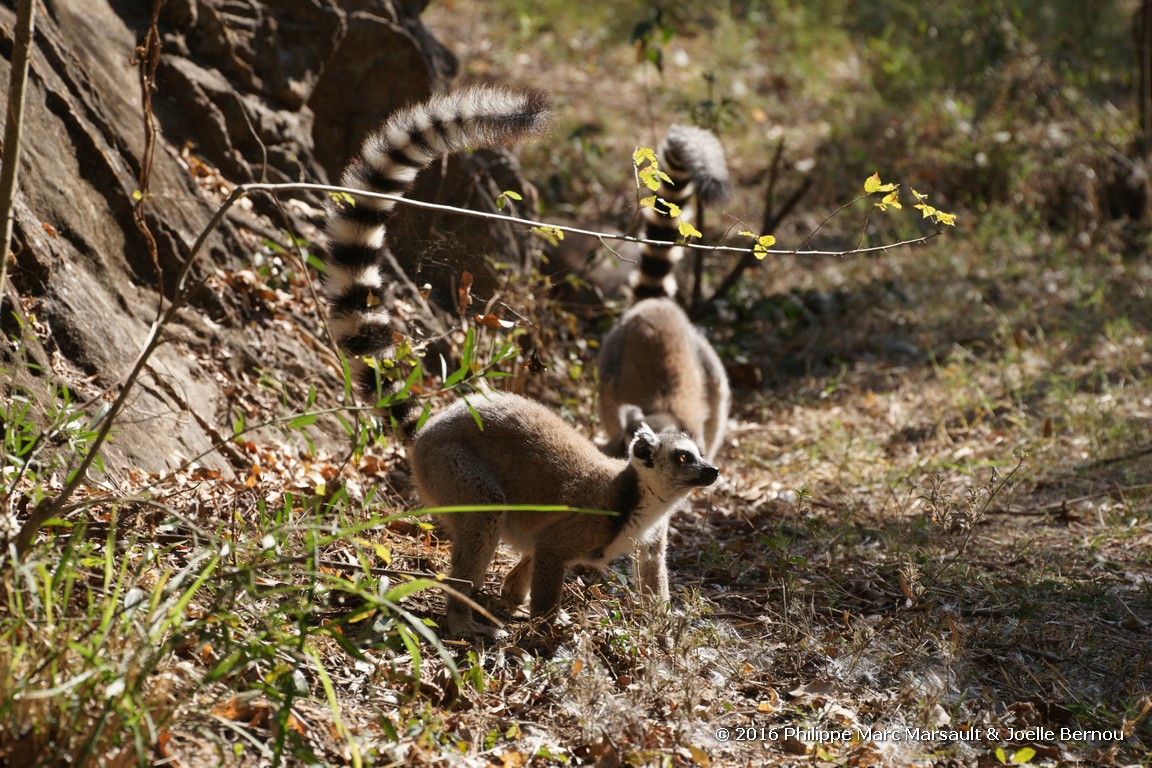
466,360
404,589
551,234
505,196
303,420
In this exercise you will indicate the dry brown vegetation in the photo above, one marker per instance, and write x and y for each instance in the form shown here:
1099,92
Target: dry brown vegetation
936,506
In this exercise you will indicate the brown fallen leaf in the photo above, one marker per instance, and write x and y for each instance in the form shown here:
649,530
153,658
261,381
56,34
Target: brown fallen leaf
491,321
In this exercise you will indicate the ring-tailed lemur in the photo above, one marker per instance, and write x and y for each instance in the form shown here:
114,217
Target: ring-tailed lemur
655,365
520,453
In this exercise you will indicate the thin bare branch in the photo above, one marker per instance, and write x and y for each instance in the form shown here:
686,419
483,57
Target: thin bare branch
305,187
13,127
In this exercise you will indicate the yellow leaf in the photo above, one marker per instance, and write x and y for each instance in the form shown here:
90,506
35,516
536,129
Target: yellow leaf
892,199
763,243
650,178
1023,755
382,550
551,234
673,210
643,155
873,184
699,756
946,218
687,230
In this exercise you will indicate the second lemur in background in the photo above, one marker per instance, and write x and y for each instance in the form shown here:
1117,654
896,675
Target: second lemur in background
655,366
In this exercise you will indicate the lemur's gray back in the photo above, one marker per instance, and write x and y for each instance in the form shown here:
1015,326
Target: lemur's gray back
388,162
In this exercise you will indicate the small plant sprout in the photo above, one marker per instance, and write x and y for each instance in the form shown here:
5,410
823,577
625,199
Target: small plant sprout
505,196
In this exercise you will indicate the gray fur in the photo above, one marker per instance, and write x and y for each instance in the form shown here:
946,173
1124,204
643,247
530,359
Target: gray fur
526,454
656,367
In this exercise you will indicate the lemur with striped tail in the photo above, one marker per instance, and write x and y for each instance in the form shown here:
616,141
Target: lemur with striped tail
521,453
697,172
656,369
655,365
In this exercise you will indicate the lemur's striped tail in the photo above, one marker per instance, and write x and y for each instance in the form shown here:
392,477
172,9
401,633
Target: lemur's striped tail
694,160
355,288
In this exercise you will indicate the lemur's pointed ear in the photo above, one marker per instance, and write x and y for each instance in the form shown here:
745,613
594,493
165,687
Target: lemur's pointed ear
643,448
628,414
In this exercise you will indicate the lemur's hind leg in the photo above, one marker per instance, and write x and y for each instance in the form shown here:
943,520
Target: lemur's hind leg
516,583
463,479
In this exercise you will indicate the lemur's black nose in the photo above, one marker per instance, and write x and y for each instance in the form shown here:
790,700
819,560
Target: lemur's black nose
708,475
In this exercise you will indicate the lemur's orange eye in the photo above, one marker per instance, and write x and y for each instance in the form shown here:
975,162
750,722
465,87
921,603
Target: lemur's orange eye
682,457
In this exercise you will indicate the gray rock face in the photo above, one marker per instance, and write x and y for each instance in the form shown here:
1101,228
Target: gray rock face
273,90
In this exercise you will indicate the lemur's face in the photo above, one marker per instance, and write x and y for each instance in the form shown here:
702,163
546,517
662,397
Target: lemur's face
670,461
